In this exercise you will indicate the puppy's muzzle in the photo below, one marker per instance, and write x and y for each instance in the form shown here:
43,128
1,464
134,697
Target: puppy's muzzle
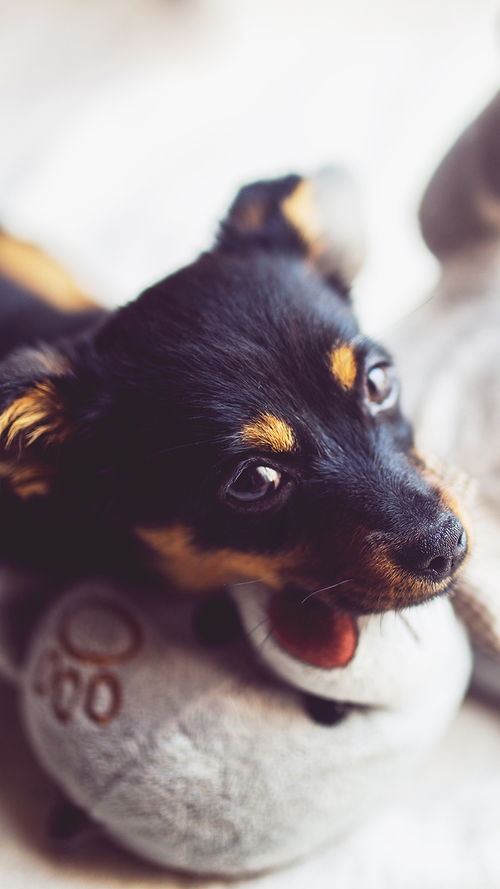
437,553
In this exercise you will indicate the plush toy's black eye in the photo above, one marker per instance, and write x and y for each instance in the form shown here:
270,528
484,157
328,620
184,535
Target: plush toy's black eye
382,388
256,486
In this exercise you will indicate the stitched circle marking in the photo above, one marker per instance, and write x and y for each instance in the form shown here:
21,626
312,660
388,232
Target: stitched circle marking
66,690
103,698
100,632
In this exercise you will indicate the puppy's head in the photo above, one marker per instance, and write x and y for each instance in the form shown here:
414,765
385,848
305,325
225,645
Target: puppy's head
237,422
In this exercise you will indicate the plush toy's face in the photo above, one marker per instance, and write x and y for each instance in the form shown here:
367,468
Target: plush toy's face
236,423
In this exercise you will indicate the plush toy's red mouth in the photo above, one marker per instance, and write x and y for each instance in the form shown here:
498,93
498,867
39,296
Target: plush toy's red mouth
311,631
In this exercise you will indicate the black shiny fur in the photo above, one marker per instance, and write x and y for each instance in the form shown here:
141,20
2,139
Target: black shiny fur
156,395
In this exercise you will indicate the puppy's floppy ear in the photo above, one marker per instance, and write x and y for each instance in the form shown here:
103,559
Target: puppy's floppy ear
317,219
34,425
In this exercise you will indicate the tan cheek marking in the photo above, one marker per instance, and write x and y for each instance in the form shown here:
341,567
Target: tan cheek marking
31,268
343,365
389,587
377,582
194,569
269,432
301,211
396,578
35,415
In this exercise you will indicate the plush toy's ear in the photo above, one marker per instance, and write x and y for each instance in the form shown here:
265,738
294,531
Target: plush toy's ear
317,219
461,204
33,421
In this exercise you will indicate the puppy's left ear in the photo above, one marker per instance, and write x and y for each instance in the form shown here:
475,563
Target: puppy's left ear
317,219
34,421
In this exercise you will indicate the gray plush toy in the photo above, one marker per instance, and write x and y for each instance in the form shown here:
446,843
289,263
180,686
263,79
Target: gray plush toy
194,756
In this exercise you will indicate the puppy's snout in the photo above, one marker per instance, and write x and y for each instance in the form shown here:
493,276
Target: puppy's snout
437,553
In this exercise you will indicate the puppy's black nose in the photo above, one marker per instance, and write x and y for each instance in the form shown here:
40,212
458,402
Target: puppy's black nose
437,553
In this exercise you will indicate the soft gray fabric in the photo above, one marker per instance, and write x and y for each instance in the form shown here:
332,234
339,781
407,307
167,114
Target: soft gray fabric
448,353
203,762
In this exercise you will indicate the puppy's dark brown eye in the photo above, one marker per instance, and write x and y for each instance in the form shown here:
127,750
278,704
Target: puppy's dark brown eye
382,388
254,483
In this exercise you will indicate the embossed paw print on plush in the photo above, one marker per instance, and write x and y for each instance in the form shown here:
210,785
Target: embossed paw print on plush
76,670
180,743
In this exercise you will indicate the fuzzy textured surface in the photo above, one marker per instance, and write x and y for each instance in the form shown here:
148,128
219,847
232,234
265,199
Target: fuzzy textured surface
197,759
448,351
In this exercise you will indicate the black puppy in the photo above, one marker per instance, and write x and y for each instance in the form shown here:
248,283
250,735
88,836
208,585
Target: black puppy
232,423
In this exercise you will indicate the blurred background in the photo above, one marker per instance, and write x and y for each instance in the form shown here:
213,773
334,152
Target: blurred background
127,125
126,128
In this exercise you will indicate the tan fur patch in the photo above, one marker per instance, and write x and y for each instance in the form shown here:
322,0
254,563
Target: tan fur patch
26,480
37,414
343,365
376,583
192,568
268,431
301,211
33,269
250,218
395,580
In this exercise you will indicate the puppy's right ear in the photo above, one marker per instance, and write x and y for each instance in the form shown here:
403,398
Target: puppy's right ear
316,219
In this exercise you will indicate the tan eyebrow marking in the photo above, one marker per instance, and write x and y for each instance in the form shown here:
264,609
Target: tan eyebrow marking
343,365
269,432
300,210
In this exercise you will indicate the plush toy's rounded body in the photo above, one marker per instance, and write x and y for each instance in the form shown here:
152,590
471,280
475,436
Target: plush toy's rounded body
198,758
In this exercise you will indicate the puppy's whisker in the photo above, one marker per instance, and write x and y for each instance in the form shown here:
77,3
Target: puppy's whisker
409,627
323,589
245,582
221,439
265,639
257,627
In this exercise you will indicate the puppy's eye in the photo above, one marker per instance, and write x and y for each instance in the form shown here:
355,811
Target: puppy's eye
381,387
254,483
256,487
